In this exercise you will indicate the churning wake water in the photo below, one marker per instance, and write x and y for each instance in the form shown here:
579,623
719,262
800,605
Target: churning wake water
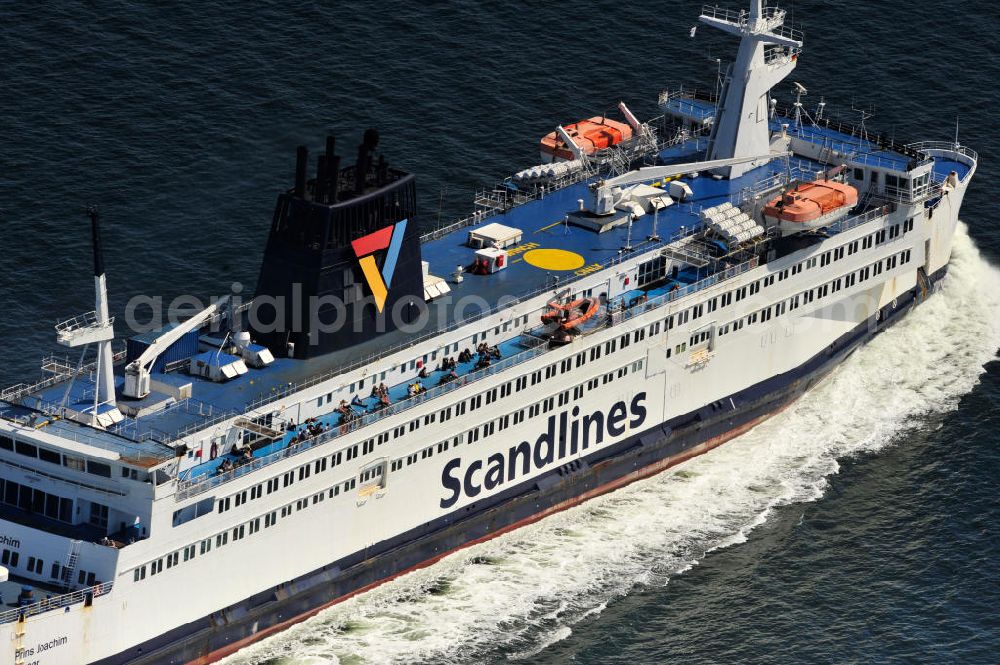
517,596
861,525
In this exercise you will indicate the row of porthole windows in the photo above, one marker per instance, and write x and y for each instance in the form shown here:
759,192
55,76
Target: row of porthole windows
495,394
503,422
236,533
806,297
287,478
718,302
11,559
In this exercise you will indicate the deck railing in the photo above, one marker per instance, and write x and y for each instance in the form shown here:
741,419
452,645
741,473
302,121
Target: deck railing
191,487
857,220
15,393
55,602
922,146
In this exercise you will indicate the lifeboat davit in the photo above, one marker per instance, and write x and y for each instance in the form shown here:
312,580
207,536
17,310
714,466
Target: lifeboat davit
589,135
811,205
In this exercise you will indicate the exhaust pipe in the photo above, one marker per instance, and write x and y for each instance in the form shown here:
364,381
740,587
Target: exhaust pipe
301,164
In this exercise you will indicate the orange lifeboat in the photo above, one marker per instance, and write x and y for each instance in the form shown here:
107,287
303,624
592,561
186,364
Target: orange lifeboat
811,205
589,135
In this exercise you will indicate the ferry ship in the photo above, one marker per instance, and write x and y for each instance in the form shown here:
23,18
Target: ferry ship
387,397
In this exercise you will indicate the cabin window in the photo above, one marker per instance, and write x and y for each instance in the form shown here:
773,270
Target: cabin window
99,468
27,449
51,456
98,515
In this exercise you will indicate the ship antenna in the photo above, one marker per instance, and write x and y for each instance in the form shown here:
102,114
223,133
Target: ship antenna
865,114
104,388
800,92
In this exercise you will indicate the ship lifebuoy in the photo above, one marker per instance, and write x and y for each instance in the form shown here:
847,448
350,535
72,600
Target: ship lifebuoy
500,261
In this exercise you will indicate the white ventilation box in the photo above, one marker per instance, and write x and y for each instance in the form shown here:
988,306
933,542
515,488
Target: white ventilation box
494,235
680,190
494,259
217,366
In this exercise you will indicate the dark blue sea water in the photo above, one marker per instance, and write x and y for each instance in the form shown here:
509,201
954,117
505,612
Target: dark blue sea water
861,526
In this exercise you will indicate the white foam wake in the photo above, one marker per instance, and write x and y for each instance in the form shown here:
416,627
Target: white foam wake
524,591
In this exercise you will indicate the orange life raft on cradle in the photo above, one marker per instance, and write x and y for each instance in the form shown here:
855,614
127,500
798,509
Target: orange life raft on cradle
572,314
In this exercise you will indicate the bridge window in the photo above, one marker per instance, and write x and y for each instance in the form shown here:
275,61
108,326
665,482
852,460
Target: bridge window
27,498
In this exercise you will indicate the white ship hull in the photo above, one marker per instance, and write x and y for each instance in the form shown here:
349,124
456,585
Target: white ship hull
596,419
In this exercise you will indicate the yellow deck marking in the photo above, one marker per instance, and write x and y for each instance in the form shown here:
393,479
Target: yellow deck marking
546,228
554,259
520,249
586,270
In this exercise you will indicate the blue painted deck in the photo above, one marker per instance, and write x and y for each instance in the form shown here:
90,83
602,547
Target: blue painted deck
361,404
542,223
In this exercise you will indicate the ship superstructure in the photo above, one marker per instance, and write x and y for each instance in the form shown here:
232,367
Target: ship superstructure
597,320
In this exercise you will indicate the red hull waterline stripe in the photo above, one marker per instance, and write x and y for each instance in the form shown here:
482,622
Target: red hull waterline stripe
638,474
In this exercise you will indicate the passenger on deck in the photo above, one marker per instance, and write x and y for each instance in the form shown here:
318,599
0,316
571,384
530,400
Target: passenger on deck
465,356
484,361
291,425
495,352
226,466
450,376
423,373
248,454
